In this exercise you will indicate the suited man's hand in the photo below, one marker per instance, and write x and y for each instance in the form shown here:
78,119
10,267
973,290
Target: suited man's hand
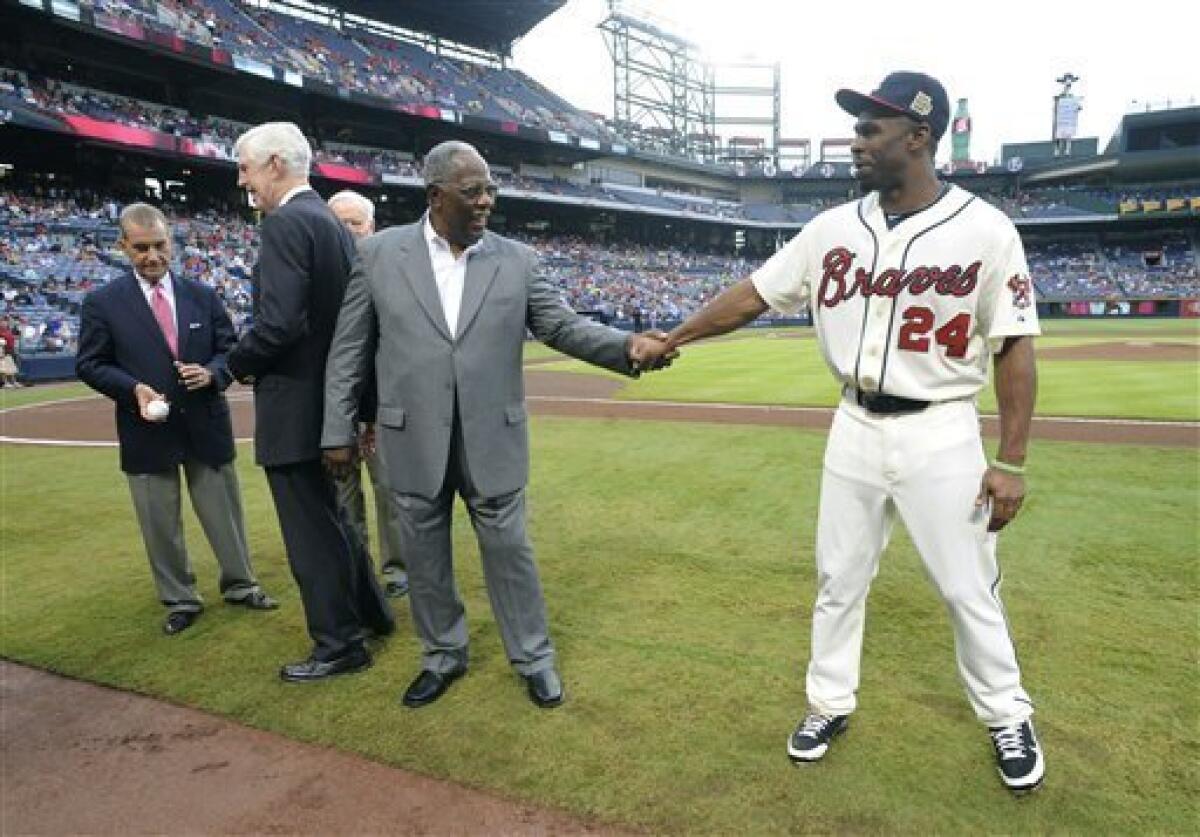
193,375
366,439
339,461
144,396
649,350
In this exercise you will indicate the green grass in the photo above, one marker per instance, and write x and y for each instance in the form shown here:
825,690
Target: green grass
677,561
765,367
42,393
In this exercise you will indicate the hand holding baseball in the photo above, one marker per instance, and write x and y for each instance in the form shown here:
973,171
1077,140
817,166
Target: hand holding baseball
151,405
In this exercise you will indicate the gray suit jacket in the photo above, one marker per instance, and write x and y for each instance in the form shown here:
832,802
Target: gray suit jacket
392,313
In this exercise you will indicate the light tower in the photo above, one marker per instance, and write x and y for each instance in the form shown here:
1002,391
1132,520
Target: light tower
1066,115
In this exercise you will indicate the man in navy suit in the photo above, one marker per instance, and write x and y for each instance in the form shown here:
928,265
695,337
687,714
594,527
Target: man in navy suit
150,336
298,283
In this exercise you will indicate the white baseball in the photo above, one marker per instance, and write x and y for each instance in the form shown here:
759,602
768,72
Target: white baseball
158,409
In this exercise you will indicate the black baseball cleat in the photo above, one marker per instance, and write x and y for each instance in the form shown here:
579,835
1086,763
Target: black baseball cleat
1018,756
811,739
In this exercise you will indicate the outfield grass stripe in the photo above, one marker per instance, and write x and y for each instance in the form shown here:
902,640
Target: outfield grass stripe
790,410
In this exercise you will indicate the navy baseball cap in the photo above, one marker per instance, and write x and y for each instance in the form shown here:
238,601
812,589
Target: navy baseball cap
914,95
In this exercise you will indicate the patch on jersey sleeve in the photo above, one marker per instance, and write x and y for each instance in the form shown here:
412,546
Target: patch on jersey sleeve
1022,291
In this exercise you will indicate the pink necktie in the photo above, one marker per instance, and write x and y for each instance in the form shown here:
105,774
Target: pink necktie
162,313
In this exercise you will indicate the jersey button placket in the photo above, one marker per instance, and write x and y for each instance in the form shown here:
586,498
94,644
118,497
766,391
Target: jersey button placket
875,333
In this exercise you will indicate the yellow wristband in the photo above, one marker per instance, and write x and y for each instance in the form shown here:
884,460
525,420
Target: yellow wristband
1004,467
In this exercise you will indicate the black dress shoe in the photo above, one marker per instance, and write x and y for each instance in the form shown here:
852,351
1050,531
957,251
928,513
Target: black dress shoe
378,630
179,621
428,687
311,670
257,600
545,688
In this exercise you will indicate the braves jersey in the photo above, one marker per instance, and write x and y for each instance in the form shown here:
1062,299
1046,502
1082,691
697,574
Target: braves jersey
912,311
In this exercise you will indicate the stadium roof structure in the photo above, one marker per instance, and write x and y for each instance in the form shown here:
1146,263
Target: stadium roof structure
486,24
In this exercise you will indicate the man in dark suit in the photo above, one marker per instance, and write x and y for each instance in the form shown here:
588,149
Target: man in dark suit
442,307
298,282
151,337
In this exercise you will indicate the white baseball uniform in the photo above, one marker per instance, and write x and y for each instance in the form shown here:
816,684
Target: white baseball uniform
913,311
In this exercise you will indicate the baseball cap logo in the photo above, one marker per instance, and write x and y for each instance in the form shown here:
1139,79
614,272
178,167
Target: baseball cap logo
922,104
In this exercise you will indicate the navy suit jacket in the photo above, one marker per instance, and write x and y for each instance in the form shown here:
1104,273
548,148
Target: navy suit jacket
303,268
121,345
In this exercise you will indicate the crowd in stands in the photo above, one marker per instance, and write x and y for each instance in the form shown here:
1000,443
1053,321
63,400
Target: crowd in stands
216,137
1163,265
403,72
63,98
56,245
635,283
1154,266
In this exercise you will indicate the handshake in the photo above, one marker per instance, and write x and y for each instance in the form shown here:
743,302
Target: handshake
651,350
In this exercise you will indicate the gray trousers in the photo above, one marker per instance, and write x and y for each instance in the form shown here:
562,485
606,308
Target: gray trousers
513,586
217,501
350,499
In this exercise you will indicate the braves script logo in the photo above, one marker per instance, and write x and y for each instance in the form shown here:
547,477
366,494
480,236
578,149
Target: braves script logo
837,285
1022,291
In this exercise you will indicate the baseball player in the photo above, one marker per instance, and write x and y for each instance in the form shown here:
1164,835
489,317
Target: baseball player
912,288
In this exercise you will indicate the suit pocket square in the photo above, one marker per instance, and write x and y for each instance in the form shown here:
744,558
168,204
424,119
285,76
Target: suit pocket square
393,417
195,325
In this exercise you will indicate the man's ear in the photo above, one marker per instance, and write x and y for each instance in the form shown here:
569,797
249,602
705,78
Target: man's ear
920,135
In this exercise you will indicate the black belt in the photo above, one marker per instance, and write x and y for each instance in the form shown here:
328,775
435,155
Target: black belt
888,405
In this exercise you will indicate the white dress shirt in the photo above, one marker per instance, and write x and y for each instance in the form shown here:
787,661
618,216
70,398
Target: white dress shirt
449,272
292,192
168,292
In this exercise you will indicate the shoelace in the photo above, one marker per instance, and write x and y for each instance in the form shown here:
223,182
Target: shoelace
1009,742
815,724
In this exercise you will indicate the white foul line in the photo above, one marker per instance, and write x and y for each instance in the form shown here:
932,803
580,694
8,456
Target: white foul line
553,399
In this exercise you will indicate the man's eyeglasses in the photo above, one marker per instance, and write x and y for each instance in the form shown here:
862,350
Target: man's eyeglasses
476,191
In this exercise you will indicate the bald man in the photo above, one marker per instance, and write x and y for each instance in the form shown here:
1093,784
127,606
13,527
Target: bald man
357,213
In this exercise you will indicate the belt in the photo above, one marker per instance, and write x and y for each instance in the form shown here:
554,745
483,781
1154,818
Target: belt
888,405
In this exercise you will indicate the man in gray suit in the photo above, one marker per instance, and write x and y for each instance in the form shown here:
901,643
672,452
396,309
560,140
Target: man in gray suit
442,306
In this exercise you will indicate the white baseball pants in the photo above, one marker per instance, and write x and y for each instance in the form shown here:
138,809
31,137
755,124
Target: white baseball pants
927,467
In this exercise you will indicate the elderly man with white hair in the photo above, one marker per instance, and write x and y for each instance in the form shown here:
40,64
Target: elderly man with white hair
303,267
357,212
